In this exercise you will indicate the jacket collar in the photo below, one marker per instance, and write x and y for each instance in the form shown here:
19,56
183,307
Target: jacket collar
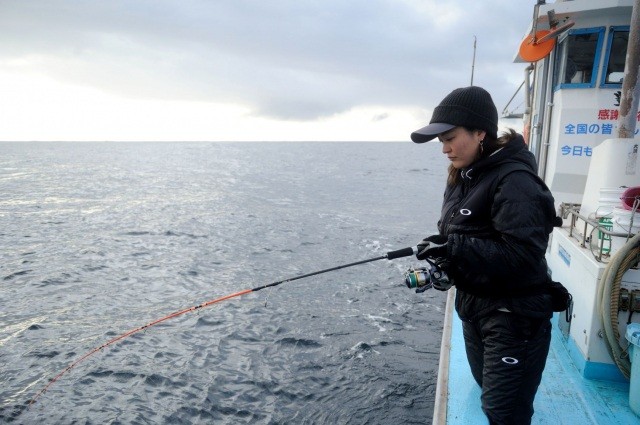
509,152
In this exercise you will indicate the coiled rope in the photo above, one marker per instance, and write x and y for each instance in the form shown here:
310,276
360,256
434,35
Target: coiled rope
625,258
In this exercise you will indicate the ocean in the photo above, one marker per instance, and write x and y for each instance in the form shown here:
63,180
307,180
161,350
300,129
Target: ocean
101,238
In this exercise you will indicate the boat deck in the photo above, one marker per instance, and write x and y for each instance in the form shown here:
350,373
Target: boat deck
564,396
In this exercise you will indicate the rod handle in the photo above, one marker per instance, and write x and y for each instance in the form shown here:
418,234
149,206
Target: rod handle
404,252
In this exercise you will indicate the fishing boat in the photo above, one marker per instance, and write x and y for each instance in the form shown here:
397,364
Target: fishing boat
581,61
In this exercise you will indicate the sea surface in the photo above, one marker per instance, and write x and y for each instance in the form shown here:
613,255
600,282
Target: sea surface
97,239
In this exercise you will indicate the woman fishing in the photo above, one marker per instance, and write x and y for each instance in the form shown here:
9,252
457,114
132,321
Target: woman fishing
493,233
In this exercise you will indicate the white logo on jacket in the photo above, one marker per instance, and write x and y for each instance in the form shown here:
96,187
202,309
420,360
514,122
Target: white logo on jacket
510,360
465,211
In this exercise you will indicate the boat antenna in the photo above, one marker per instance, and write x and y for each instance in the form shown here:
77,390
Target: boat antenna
473,62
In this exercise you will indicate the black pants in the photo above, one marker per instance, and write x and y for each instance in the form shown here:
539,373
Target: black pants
507,354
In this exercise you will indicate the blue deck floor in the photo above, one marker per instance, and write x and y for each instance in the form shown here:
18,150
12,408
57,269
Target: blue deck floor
564,396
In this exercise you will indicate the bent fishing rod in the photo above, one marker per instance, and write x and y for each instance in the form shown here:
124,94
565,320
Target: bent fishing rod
391,255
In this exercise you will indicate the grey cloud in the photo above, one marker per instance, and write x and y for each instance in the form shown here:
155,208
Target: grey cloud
285,59
380,117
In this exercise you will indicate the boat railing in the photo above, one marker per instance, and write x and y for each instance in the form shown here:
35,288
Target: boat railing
584,228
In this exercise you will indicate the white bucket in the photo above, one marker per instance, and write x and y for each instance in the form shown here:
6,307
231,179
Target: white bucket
609,199
621,220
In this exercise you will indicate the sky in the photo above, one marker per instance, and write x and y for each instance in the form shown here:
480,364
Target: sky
248,70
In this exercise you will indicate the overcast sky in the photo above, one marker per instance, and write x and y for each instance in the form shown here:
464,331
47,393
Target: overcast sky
234,70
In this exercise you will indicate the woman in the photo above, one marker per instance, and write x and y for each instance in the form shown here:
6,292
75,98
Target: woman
493,233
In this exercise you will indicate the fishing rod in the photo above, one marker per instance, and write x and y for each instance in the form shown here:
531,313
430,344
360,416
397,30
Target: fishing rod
391,255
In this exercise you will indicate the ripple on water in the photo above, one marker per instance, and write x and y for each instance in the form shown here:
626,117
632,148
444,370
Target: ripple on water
142,230
299,342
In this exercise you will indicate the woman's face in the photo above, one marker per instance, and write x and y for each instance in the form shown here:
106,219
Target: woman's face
461,146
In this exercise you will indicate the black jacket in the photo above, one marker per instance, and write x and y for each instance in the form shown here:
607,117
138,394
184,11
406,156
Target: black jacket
497,223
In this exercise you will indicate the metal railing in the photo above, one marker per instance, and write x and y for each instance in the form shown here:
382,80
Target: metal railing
583,229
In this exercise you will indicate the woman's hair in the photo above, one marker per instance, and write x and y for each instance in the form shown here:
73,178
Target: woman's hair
489,146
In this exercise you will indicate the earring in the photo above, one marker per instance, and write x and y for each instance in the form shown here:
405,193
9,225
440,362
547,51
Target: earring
481,146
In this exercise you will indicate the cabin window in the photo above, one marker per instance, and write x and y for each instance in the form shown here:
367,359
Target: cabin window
577,58
615,57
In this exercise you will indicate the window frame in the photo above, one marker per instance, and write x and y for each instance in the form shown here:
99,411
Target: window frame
607,55
600,31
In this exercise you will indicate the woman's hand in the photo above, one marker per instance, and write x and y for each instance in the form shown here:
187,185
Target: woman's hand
434,246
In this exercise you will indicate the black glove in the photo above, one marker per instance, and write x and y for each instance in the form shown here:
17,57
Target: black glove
434,246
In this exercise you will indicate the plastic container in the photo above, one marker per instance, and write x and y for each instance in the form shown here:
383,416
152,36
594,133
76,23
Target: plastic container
633,336
621,223
621,220
629,196
610,197
604,239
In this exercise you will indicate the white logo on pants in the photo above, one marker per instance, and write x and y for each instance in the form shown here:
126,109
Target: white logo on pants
510,360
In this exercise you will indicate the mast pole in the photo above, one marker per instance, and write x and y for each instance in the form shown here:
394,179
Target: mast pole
473,62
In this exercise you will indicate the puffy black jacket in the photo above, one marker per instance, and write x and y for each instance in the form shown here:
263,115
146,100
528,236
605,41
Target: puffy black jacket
498,221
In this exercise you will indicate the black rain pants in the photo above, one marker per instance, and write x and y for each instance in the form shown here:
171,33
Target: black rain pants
507,354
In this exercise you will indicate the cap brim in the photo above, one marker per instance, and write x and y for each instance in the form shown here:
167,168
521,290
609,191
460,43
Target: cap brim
430,132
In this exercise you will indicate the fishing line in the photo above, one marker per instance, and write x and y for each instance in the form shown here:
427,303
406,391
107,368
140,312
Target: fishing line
405,252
